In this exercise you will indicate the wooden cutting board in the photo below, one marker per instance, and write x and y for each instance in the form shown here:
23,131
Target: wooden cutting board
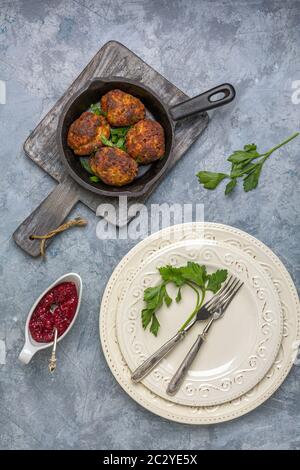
113,59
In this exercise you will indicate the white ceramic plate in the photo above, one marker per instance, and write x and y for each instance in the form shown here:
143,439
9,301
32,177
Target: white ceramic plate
282,281
240,348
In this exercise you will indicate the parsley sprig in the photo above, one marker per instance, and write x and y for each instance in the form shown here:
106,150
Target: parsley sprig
96,109
246,164
85,164
193,275
117,137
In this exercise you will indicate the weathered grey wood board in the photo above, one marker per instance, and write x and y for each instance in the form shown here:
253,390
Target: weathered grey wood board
113,59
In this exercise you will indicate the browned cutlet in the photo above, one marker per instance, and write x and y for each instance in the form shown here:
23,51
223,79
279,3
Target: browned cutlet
145,141
114,166
84,136
122,108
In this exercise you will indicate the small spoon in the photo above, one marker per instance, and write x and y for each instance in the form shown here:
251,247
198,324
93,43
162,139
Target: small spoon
52,362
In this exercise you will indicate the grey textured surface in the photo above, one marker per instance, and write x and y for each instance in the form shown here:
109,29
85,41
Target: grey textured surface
196,44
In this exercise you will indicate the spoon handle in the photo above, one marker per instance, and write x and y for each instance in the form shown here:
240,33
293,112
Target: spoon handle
52,362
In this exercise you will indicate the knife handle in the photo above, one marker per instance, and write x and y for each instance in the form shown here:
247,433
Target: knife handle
182,370
156,357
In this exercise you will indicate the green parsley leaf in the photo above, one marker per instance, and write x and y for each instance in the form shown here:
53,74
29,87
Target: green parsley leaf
96,109
251,181
119,131
85,164
194,272
250,147
154,298
171,274
94,179
154,325
106,142
230,186
215,280
240,156
178,296
167,299
244,170
209,179
146,317
151,292
118,144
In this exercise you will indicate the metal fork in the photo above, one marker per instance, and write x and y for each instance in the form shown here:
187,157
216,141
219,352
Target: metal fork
203,314
216,311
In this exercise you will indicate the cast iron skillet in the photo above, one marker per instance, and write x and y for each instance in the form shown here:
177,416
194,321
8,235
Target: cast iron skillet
156,109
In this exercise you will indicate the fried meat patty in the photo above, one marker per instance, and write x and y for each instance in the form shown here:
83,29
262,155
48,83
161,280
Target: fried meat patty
84,135
145,141
114,166
122,108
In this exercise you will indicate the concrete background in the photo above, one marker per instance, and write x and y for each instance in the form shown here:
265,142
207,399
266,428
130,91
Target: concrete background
195,44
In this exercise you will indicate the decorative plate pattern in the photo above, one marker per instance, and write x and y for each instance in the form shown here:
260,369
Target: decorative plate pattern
240,348
283,283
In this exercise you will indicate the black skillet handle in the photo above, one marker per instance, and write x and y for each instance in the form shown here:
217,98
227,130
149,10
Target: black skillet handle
203,102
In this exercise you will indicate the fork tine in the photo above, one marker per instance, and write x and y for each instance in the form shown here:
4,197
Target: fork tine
229,292
225,296
237,288
220,295
222,288
226,301
220,292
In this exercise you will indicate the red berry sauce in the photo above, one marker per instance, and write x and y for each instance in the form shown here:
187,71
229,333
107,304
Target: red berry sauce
56,309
